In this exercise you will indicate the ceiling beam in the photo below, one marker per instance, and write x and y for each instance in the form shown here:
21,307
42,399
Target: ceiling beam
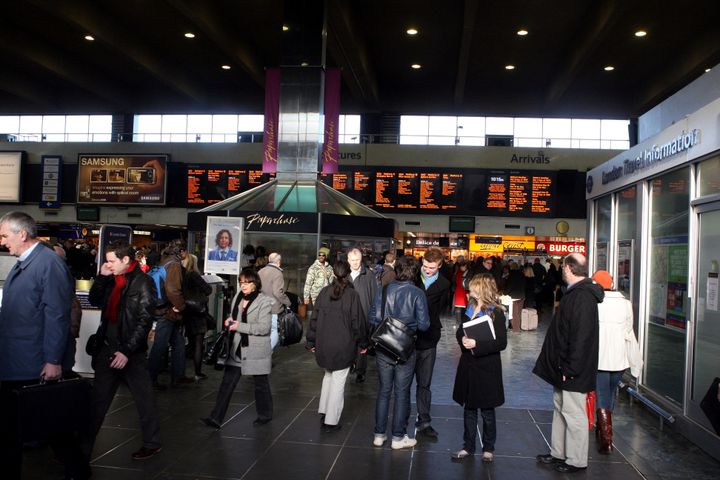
205,16
598,20
350,51
126,43
469,20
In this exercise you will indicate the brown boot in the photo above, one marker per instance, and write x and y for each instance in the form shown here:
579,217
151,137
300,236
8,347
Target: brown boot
605,431
598,424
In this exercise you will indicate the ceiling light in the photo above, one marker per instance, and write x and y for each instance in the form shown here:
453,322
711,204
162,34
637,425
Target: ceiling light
522,32
304,64
416,66
189,35
225,67
609,68
509,67
285,28
707,70
89,38
411,31
640,33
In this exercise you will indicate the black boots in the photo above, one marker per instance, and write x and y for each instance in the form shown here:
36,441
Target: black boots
604,427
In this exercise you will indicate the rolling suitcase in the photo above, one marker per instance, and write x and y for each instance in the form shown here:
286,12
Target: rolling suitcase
529,319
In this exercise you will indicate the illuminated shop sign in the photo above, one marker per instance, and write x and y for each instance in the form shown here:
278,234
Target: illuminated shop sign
561,248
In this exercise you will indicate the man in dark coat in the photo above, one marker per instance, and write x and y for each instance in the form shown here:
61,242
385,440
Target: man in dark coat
365,284
568,361
436,289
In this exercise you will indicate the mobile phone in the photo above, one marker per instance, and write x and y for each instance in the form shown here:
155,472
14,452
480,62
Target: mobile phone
143,175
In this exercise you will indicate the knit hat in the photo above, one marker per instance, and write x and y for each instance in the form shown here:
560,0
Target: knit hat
324,250
604,279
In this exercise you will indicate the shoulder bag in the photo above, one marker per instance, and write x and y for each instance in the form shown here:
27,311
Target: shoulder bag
392,336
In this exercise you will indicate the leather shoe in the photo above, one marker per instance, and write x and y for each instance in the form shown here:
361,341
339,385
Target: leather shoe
548,459
144,453
331,428
261,421
565,468
360,378
211,423
429,432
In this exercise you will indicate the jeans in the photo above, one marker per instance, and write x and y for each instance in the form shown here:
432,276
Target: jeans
607,382
263,395
396,377
274,337
489,431
424,364
167,333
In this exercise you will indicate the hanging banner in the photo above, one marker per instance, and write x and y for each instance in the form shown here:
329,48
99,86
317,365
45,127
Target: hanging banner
272,118
332,120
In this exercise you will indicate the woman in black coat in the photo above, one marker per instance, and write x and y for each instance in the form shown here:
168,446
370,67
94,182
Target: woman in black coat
478,382
337,331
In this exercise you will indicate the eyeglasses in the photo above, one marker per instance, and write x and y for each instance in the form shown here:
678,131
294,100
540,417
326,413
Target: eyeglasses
321,254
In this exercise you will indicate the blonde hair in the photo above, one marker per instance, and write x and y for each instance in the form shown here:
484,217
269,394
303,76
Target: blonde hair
483,290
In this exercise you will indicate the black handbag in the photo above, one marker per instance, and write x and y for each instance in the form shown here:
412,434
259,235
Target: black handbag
218,351
50,408
290,328
392,336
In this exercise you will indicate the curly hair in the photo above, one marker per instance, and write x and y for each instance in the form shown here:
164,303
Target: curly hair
483,290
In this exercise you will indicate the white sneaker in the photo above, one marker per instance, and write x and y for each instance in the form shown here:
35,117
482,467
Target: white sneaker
379,440
405,442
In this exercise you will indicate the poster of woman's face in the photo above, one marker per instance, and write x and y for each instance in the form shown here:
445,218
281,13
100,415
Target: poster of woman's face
224,234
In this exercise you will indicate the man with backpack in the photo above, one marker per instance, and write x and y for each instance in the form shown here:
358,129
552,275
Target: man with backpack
168,278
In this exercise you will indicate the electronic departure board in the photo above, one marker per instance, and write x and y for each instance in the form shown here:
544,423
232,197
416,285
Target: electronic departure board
403,190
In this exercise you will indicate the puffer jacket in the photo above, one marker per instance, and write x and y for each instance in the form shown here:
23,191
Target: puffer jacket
405,302
570,348
134,315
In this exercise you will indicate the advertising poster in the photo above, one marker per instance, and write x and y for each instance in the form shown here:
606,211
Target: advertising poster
677,290
122,179
223,244
109,234
668,282
10,171
601,253
624,267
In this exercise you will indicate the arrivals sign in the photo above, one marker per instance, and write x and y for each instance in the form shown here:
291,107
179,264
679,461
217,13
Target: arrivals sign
112,179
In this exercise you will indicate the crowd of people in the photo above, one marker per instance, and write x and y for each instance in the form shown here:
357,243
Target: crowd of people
584,348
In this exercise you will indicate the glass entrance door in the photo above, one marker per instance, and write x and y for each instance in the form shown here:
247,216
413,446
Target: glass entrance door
706,362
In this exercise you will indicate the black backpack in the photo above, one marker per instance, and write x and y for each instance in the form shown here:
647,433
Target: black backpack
290,328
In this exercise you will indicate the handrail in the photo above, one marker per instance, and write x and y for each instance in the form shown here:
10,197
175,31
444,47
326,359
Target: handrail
650,404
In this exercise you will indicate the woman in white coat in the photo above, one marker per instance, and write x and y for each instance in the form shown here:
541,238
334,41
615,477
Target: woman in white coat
616,327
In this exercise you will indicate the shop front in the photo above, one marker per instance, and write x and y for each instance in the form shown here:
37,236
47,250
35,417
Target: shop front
654,223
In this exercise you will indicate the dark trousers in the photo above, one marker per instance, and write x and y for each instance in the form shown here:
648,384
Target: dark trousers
263,395
136,376
65,446
361,361
489,431
424,364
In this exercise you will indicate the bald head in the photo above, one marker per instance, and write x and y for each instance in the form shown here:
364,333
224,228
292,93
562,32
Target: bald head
576,270
274,258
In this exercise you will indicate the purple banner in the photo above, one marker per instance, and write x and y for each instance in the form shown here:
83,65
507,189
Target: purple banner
272,117
332,120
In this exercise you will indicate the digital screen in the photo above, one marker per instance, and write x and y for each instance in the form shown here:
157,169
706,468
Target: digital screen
122,179
11,164
403,190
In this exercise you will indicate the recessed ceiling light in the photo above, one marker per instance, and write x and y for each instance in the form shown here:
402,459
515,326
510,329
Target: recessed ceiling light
89,38
509,67
225,67
416,66
304,64
609,68
285,28
707,70
189,35
412,31
522,32
640,33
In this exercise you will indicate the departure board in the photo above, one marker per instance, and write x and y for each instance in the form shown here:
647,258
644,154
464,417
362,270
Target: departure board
403,190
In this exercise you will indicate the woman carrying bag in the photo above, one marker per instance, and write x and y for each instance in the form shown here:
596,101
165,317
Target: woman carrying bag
250,352
478,382
337,332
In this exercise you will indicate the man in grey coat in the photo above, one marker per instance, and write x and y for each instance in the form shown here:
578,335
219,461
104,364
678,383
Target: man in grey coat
273,284
365,284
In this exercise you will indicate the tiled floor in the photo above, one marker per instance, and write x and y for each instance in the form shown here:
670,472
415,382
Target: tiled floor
293,445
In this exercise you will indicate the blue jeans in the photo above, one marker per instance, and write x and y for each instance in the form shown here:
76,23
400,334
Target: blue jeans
607,382
396,377
167,333
274,337
489,431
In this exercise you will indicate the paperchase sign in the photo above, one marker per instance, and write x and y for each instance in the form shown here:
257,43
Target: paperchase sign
281,222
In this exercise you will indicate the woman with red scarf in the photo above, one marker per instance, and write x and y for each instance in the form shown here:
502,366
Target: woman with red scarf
125,295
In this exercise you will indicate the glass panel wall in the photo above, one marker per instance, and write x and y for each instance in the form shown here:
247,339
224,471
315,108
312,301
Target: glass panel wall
603,223
668,285
709,177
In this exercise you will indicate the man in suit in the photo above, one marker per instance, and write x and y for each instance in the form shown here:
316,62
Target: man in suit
223,247
365,284
436,289
34,328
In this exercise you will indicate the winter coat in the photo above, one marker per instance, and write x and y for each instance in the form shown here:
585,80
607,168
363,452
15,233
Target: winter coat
570,348
478,381
366,285
319,276
404,302
273,284
616,322
337,329
256,357
134,316
387,275
437,302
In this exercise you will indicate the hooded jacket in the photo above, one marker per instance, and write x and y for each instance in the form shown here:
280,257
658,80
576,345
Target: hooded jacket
570,348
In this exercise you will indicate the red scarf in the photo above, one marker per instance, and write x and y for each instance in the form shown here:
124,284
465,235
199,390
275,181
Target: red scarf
114,302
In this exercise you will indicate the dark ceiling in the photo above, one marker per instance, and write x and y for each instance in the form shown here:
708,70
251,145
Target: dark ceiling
140,61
